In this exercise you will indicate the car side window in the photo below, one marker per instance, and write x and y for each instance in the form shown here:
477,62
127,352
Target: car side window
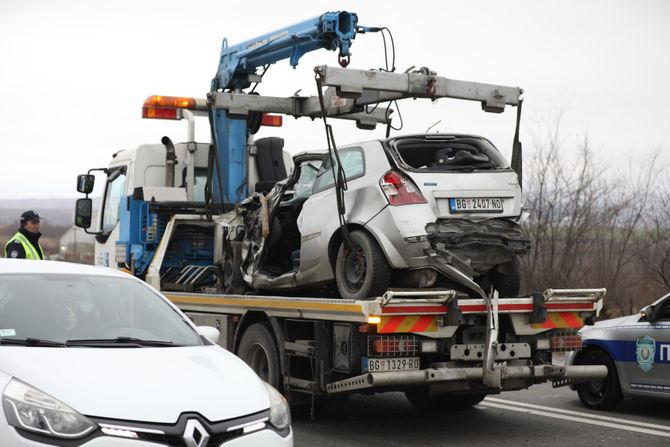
353,163
305,184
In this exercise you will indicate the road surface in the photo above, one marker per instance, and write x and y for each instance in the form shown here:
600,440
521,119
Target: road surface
540,416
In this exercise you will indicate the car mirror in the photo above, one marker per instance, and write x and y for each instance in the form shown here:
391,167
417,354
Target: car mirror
209,332
85,183
649,313
83,212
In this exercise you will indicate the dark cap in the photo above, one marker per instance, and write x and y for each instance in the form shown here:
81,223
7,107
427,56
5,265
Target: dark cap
29,215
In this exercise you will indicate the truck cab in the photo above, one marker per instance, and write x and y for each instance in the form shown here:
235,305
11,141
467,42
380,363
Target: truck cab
142,170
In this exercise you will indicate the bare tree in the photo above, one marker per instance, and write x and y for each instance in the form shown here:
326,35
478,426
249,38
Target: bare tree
590,226
654,248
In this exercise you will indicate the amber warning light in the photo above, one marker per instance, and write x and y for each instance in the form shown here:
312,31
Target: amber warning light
166,107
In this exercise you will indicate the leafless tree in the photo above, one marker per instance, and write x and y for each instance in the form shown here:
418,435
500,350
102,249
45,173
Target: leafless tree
590,226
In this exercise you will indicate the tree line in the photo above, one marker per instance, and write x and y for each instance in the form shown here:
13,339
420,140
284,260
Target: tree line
594,226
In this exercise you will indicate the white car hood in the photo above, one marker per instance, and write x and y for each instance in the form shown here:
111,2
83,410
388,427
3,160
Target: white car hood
620,321
141,384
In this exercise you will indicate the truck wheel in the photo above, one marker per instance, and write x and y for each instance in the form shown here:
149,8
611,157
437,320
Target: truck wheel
603,394
507,278
259,350
420,399
361,271
232,273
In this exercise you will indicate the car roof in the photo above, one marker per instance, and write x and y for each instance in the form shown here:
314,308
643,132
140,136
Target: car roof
8,266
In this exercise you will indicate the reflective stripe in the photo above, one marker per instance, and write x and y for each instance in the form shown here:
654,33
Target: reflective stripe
408,323
561,320
28,248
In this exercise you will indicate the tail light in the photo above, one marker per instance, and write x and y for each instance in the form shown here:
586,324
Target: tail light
399,190
271,120
564,342
392,346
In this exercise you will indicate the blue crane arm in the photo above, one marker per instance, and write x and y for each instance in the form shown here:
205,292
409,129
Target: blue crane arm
328,31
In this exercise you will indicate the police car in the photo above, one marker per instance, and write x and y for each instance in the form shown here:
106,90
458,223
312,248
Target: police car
93,357
636,351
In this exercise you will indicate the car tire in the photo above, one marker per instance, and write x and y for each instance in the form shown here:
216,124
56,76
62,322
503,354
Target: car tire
506,278
258,349
232,281
421,400
363,271
603,394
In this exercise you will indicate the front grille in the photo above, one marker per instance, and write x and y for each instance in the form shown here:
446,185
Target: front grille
173,434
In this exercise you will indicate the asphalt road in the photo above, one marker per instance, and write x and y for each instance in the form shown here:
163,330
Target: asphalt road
540,416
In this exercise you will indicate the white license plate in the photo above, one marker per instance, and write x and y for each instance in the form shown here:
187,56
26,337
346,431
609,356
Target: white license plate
476,205
392,364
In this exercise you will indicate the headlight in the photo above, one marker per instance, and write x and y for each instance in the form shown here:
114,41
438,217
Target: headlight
280,416
31,409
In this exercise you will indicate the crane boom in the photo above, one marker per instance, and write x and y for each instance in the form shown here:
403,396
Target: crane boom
237,71
329,31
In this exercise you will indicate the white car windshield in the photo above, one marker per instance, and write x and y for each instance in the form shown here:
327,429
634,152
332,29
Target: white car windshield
90,310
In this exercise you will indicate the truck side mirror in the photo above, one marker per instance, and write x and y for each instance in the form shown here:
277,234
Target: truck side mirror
85,183
649,313
83,212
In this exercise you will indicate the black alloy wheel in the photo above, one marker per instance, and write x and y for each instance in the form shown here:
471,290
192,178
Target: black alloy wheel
361,271
601,394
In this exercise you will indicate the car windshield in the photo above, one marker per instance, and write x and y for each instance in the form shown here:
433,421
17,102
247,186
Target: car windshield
62,308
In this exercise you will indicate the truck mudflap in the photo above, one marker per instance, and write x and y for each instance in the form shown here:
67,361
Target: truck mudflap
424,377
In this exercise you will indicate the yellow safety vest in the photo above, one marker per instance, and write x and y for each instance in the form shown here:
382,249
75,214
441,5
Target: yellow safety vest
31,253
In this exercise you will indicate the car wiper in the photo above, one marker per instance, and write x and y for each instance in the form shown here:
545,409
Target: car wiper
107,342
31,342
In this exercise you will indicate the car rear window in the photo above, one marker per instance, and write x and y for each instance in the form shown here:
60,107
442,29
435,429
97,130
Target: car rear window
449,154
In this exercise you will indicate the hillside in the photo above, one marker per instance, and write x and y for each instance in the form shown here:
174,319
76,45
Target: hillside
55,212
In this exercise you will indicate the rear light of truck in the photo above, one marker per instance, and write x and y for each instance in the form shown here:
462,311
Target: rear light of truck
271,120
564,342
393,345
399,190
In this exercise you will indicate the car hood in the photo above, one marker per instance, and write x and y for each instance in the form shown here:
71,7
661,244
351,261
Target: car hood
141,384
630,319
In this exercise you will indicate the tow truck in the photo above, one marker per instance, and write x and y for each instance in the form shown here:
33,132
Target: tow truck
162,220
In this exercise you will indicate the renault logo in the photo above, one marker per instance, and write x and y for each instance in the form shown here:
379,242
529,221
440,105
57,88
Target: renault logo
195,435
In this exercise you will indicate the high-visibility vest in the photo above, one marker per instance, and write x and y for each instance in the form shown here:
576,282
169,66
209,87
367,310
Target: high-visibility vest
31,253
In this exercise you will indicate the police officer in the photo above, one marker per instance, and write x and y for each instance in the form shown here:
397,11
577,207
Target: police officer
25,243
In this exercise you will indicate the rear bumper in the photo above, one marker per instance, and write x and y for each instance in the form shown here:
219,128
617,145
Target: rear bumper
465,379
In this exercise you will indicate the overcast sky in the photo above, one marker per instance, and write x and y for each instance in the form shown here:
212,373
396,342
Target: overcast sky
74,74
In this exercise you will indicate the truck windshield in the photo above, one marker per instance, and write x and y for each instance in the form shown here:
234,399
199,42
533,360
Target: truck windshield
62,307
113,194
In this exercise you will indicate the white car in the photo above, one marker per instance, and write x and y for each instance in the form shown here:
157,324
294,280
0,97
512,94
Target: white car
433,210
94,357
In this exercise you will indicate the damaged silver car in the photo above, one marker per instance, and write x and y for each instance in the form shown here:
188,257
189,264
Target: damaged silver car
433,210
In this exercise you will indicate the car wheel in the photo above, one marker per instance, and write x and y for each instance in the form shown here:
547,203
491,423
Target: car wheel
361,271
507,278
421,400
259,350
232,273
603,394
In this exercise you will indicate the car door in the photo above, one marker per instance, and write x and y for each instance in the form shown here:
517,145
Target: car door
649,370
319,218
